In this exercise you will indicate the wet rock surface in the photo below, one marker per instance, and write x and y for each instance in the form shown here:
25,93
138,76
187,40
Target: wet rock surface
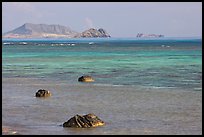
85,79
85,121
43,93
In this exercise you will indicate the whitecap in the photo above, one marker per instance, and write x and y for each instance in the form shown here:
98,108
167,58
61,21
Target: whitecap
91,43
6,43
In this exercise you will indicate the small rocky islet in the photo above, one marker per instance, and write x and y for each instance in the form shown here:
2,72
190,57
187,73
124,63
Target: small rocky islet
30,30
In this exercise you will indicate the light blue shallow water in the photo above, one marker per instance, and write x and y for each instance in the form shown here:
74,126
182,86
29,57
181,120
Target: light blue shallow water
142,86
160,63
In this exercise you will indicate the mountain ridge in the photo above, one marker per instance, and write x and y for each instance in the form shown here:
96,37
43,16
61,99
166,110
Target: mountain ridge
30,30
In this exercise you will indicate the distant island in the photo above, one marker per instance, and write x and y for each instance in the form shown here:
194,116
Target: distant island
29,30
139,35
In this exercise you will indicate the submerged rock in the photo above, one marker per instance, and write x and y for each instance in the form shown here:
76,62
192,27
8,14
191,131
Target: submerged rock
43,93
85,121
85,79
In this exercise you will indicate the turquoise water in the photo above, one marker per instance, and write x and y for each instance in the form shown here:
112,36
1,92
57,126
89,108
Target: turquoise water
160,63
142,86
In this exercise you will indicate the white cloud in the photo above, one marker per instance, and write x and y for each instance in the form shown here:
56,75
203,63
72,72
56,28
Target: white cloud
22,6
26,8
89,23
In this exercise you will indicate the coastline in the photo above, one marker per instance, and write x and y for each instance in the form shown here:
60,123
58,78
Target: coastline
8,131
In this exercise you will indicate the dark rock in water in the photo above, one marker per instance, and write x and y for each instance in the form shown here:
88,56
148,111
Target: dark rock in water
85,79
43,93
85,121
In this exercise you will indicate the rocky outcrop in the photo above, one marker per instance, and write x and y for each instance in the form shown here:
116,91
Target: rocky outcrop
85,79
85,121
149,35
29,30
43,93
93,33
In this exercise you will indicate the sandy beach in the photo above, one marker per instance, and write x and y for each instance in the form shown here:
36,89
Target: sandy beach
8,131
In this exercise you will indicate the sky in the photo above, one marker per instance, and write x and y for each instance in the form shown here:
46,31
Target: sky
119,19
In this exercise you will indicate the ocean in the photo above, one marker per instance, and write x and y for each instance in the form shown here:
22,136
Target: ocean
142,85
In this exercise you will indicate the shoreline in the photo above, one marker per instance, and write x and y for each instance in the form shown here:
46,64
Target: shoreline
126,110
6,130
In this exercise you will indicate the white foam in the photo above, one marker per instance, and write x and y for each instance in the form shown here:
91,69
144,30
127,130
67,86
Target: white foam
91,43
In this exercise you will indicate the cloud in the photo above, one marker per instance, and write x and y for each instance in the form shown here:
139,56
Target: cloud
15,14
24,8
89,23
21,6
